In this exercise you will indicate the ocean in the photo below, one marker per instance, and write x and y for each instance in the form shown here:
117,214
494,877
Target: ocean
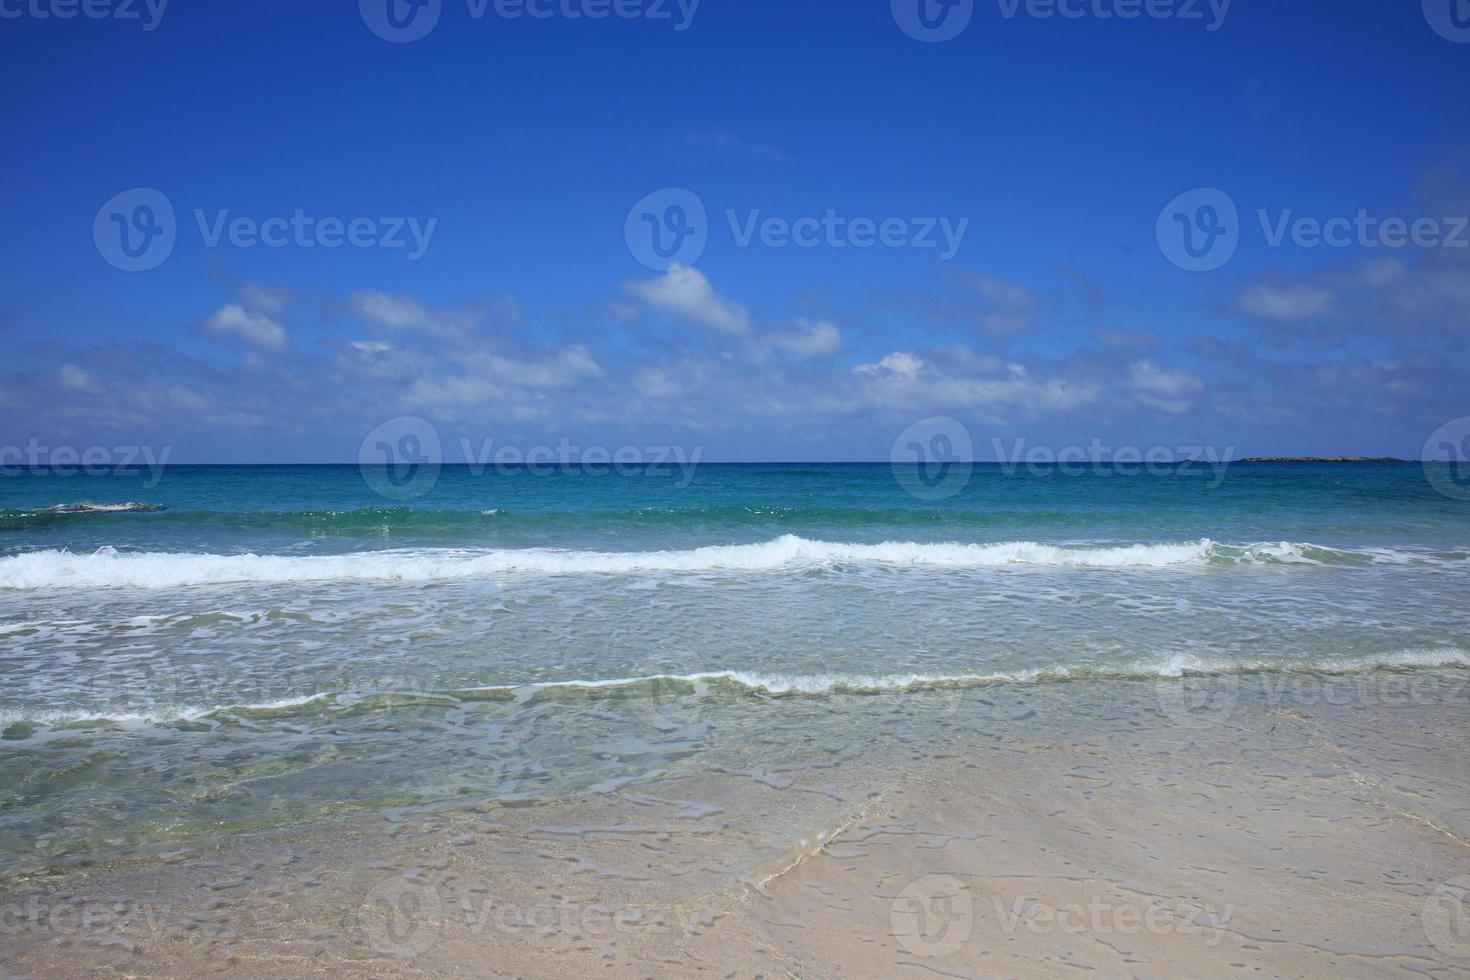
214,651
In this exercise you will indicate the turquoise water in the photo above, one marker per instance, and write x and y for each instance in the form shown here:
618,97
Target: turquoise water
250,647
325,508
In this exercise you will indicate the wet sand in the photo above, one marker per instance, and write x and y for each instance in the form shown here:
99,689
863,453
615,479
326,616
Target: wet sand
1264,825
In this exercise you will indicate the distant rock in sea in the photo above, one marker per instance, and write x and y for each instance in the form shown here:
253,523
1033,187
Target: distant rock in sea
1322,459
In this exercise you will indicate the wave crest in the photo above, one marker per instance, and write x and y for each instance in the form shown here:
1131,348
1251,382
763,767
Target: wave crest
107,568
738,683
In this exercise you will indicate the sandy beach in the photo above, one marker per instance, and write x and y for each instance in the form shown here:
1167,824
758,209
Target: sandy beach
1253,825
662,489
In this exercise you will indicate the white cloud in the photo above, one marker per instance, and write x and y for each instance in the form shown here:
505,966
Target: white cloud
1164,389
565,367
1002,291
954,379
903,364
730,141
1005,307
1056,395
808,339
1385,295
1383,272
262,298
165,399
486,378
1285,301
398,311
1128,338
451,394
74,378
686,293
256,328
656,383
622,311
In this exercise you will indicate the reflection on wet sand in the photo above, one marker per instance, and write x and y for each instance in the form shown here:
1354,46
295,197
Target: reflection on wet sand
1291,825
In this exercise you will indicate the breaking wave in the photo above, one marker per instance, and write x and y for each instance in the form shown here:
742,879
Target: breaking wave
106,567
744,683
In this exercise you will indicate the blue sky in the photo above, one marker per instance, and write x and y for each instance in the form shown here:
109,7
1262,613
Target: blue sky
517,147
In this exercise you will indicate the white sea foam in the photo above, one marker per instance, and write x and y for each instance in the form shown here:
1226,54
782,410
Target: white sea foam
131,506
159,570
1176,665
781,684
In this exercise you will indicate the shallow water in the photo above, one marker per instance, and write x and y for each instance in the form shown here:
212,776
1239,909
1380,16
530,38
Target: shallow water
262,647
